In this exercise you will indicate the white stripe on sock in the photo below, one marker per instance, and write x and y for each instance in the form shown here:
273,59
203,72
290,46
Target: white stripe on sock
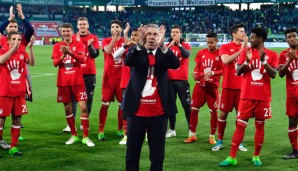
69,116
293,130
221,120
16,126
106,103
239,120
194,108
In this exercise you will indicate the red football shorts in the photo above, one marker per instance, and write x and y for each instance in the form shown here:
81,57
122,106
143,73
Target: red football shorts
292,106
201,95
13,105
254,109
111,88
65,93
229,99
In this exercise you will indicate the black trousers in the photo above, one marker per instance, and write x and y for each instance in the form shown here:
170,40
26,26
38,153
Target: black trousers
156,128
181,87
90,82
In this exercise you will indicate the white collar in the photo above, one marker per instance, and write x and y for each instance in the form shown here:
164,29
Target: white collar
153,51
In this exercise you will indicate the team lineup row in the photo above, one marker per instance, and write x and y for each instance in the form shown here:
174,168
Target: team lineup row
145,74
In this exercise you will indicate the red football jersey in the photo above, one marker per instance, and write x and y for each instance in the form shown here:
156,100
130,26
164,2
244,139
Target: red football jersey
3,43
88,67
112,69
230,78
209,61
182,72
13,74
125,73
69,72
256,81
291,74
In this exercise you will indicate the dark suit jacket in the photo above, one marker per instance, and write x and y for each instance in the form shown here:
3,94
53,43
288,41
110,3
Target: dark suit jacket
138,62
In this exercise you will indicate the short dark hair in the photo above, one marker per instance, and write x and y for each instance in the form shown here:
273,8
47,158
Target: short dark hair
67,25
12,33
134,29
177,27
260,32
235,27
13,21
117,22
211,35
290,30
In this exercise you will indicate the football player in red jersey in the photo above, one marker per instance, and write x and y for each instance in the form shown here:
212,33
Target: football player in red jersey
231,83
91,46
207,75
13,62
179,77
120,54
288,66
11,25
68,56
111,78
258,65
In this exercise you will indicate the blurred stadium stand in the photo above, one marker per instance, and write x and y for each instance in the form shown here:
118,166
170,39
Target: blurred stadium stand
201,19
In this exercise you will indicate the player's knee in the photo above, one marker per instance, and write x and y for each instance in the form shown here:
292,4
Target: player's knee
16,121
84,109
68,109
223,115
293,121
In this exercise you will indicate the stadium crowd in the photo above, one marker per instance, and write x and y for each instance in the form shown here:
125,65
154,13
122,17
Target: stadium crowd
200,20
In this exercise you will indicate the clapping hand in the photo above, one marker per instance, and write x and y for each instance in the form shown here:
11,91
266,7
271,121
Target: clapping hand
262,55
162,33
248,54
292,54
65,50
31,41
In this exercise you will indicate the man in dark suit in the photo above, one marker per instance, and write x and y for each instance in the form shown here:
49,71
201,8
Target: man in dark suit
149,96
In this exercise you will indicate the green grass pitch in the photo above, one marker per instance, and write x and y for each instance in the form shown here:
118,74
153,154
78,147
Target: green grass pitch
44,147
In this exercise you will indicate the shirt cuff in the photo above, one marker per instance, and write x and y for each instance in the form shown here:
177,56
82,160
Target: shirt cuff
165,51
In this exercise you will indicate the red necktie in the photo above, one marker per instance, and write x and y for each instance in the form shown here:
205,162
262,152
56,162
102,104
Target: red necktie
151,59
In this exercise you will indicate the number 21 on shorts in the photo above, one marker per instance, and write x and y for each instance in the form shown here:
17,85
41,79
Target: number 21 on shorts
267,112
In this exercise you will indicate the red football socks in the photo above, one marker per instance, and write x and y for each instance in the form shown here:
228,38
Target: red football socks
15,133
194,117
213,122
120,120
259,137
103,117
237,137
85,123
125,126
221,128
71,123
292,133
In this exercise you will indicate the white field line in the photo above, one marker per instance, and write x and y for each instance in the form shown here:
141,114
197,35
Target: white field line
41,74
